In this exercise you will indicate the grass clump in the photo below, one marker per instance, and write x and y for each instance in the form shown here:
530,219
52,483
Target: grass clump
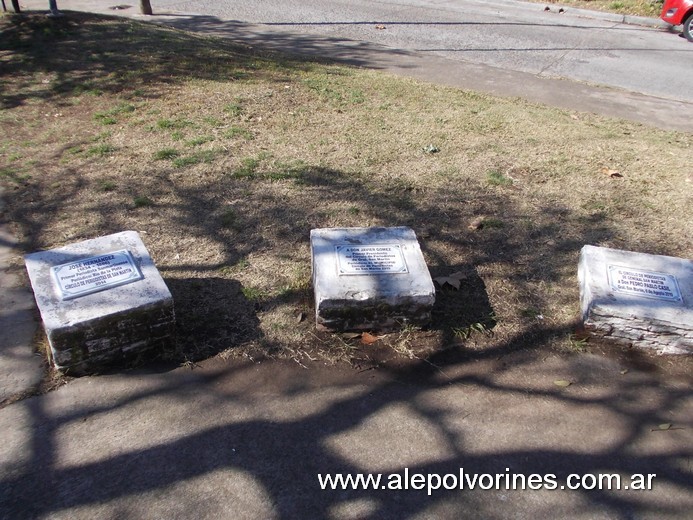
13,175
107,185
236,131
229,219
173,124
206,156
166,154
142,201
100,150
248,168
496,178
233,109
108,117
198,141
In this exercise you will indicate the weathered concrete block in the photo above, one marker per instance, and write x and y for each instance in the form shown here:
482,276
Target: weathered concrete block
101,300
369,279
637,299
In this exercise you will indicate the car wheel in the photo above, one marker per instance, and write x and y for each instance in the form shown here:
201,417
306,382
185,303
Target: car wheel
687,29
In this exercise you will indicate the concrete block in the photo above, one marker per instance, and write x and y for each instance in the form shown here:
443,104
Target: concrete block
101,301
637,299
369,279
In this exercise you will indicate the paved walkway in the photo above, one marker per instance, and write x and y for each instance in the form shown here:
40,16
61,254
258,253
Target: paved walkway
21,369
248,441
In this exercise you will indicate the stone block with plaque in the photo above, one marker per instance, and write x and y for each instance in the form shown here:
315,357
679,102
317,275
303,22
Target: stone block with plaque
637,299
101,301
369,279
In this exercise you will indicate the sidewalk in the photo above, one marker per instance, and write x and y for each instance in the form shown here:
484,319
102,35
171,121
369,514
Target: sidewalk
21,370
248,441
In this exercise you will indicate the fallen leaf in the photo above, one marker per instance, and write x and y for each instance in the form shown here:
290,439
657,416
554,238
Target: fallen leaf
664,426
614,174
459,275
624,371
573,116
300,317
380,27
477,223
562,383
368,338
442,280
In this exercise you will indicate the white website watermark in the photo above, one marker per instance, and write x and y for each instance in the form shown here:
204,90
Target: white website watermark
485,481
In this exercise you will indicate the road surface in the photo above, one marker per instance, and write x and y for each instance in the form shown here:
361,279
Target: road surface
513,36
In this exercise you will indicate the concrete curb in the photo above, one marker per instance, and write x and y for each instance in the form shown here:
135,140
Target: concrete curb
622,18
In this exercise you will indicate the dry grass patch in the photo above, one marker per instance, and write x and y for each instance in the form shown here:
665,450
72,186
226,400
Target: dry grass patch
225,158
649,8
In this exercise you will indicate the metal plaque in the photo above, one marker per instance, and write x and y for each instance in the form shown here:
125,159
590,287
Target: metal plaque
648,284
94,274
373,259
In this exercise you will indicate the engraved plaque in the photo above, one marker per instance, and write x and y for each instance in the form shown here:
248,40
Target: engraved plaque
647,284
96,273
371,259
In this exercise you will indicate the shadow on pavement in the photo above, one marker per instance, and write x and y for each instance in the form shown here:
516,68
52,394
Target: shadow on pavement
250,441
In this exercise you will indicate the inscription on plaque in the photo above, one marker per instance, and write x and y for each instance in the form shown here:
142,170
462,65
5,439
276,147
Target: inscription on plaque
373,259
96,273
647,284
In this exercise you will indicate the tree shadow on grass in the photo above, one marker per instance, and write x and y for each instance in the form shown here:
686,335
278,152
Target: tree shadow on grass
108,56
214,312
211,315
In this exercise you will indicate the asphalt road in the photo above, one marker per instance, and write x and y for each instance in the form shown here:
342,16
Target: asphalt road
509,35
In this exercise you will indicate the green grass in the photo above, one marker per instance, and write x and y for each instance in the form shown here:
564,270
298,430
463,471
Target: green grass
141,201
253,294
108,117
197,141
13,175
107,185
233,109
166,154
206,156
236,131
248,167
105,119
100,150
88,90
173,124
492,222
496,178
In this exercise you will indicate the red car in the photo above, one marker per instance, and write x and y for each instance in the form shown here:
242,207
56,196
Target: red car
677,12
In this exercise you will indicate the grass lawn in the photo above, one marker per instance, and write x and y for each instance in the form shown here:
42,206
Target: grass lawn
224,158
